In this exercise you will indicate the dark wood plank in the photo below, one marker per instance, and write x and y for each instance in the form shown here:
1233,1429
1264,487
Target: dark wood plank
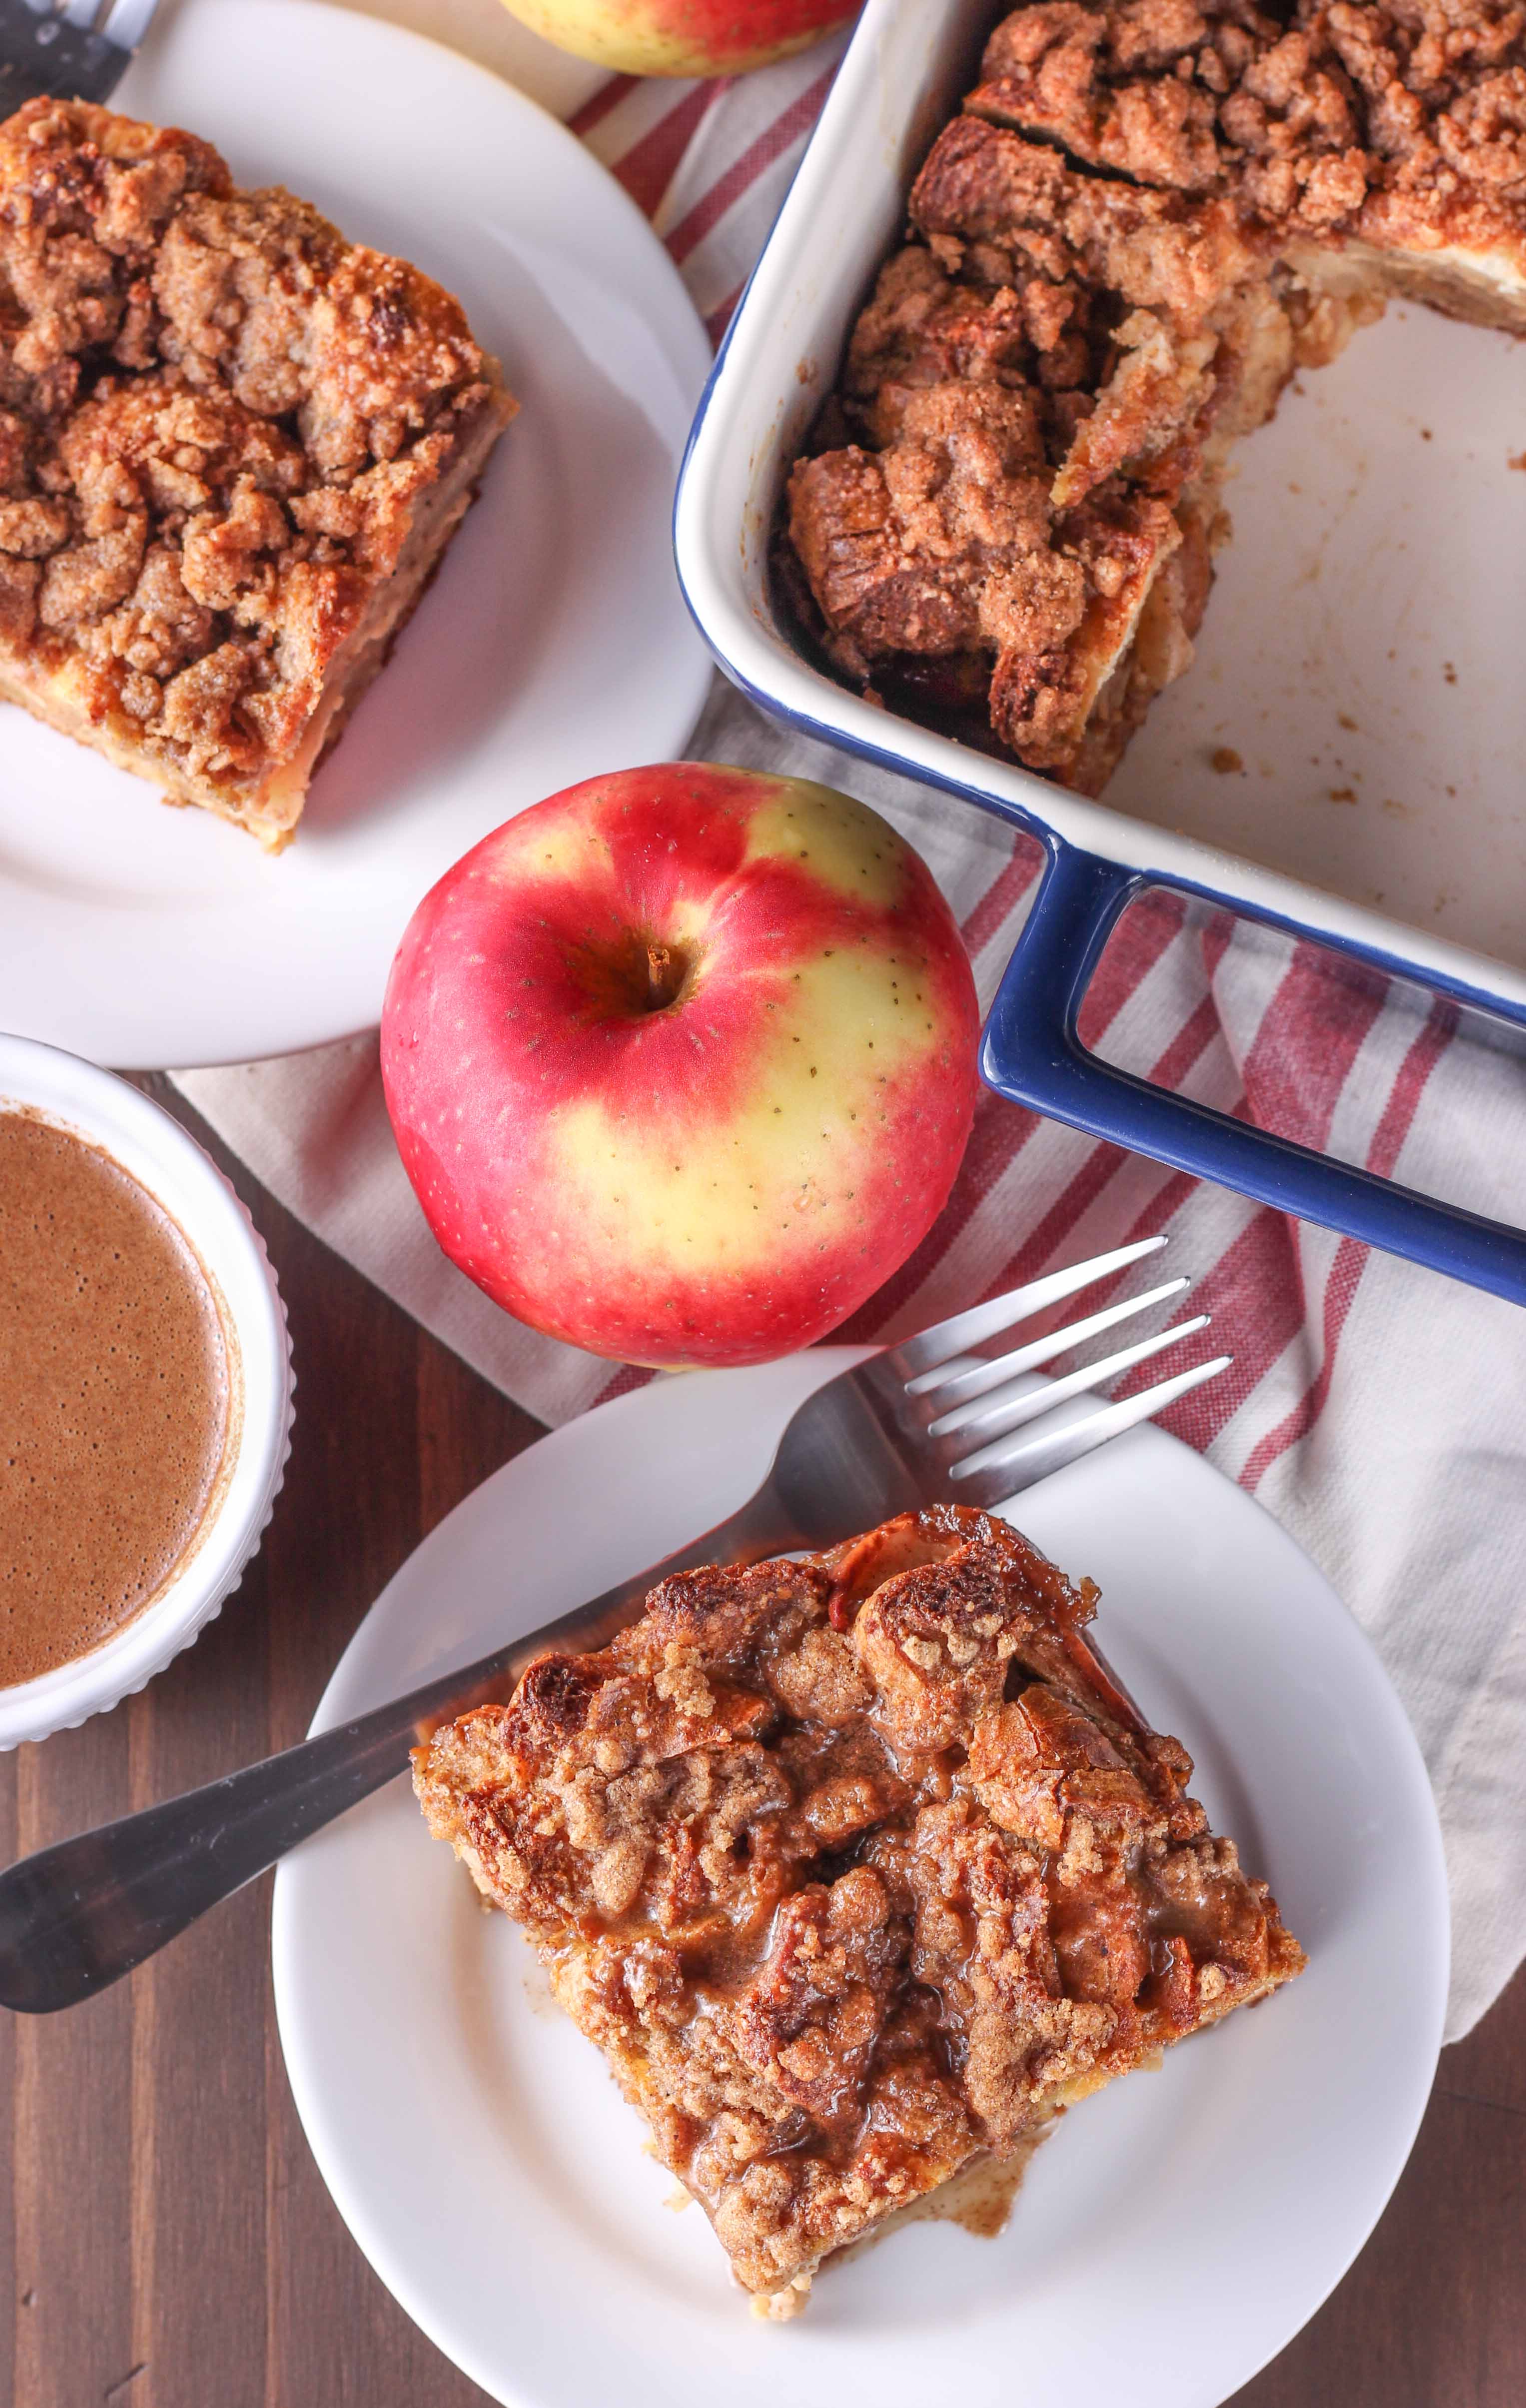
1432,2314
390,1431
73,2126
199,2065
165,2240
11,2285
1490,2066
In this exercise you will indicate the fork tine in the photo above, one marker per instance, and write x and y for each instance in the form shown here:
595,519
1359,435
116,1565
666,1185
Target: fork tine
962,1330
983,1425
1033,1459
128,21
977,1381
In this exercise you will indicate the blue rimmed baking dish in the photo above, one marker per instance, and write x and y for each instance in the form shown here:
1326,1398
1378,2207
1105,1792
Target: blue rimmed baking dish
1410,616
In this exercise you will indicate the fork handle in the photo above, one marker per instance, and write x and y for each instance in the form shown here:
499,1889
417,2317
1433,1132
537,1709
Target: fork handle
45,56
78,1915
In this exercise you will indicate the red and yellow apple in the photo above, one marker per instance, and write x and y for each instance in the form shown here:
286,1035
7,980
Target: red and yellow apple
681,38
681,1062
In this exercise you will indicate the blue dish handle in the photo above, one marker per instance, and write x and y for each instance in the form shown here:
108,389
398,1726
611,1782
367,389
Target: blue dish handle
1032,1055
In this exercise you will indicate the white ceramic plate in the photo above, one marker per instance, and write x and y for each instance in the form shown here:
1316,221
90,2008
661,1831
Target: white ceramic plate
1170,2236
553,643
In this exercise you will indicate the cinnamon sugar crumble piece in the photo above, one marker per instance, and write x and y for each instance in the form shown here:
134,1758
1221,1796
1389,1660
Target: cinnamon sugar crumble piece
232,447
857,1870
1150,213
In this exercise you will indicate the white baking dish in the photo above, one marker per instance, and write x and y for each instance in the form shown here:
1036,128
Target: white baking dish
1360,658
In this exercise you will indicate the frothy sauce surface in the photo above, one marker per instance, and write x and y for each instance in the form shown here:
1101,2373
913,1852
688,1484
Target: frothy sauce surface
114,1397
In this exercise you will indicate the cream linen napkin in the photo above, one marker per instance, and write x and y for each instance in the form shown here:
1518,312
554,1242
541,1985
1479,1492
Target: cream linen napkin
1408,1486
1380,1412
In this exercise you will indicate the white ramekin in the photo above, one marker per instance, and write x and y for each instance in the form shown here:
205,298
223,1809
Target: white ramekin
159,1154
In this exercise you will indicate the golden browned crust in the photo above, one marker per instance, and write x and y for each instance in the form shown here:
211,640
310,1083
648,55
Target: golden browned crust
223,432
855,1869
1148,214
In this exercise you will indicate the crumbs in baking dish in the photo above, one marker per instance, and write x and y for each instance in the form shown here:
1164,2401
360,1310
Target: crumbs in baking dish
1148,215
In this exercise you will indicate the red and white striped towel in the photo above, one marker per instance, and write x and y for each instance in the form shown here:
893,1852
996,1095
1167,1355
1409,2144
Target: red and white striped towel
1378,1410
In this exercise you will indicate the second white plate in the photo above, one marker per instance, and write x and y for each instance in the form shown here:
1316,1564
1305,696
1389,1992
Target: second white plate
1168,2238
552,645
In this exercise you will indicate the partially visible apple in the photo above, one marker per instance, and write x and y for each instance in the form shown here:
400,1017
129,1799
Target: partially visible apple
682,38
681,1063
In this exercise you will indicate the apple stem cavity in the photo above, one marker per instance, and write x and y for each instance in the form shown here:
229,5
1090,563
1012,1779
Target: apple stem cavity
667,971
630,975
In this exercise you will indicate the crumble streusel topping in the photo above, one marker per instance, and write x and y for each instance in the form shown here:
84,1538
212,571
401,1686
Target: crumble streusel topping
1149,213
216,419
855,1869
1300,113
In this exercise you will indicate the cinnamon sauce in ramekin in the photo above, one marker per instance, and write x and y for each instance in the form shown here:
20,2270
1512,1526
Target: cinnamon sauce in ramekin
114,1396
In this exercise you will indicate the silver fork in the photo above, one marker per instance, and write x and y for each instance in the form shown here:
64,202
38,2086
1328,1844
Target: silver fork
67,49
920,1423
